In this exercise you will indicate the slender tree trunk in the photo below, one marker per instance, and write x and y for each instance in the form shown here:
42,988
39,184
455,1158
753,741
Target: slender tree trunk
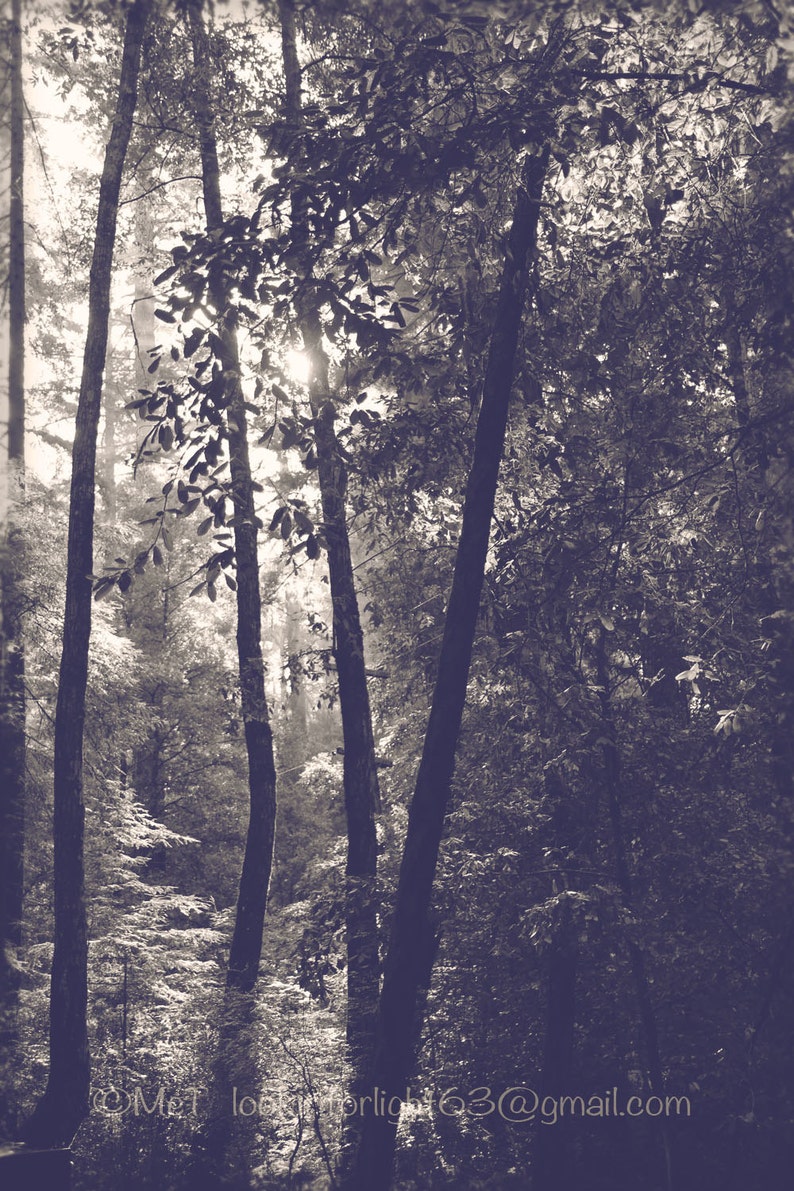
142,317
764,576
16,269
235,1061
553,1160
412,942
108,480
570,831
753,444
647,1013
360,778
148,781
65,1102
12,657
246,945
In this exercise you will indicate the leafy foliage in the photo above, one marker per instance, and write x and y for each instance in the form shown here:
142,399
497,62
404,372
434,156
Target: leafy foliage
624,774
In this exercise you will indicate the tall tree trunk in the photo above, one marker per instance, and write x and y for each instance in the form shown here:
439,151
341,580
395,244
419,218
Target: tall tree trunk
235,1061
412,942
246,945
107,482
65,1102
569,832
360,778
142,318
16,264
766,578
553,1155
12,657
642,988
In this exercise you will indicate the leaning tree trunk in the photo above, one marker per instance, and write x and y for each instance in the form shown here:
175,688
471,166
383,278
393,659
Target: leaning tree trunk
412,942
12,655
360,771
65,1102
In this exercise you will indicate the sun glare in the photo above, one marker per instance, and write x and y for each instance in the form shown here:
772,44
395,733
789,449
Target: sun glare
297,366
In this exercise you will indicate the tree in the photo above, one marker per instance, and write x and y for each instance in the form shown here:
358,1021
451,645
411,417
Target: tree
65,1100
255,878
610,903
412,943
360,777
12,657
243,969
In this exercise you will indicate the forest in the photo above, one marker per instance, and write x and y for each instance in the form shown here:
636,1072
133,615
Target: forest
397,595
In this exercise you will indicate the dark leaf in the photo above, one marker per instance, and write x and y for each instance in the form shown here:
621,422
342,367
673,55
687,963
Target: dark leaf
166,273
